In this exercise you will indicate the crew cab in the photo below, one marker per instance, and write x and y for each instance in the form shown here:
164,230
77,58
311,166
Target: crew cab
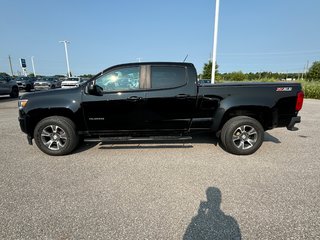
157,101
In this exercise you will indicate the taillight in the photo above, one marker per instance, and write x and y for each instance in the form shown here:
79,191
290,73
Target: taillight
299,102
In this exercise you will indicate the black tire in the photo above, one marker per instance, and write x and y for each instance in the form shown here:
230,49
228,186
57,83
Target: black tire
14,92
56,135
28,88
53,87
242,135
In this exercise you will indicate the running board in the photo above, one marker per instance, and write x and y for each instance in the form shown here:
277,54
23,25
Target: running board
138,139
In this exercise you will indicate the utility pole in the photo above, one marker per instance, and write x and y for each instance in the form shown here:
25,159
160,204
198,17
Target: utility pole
34,71
305,70
10,64
215,38
67,57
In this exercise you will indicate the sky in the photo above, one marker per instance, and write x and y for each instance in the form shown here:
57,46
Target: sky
254,35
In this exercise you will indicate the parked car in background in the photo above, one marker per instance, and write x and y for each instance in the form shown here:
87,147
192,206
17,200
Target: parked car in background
73,82
204,81
47,83
8,86
25,83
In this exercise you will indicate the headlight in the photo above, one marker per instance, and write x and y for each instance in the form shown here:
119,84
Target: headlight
22,103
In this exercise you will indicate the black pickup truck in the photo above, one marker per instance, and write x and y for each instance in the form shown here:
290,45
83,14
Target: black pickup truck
157,101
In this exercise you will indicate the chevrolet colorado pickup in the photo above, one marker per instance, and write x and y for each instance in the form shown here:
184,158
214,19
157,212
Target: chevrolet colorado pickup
157,101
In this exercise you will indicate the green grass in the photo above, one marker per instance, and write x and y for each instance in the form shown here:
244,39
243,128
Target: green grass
311,89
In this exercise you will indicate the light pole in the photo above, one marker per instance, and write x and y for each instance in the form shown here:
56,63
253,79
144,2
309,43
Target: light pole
10,63
34,71
67,57
215,37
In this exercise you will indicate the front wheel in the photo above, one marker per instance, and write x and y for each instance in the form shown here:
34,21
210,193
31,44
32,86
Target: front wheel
242,135
28,88
56,135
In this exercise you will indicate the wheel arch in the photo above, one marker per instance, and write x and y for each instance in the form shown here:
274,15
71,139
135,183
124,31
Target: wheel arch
37,115
262,114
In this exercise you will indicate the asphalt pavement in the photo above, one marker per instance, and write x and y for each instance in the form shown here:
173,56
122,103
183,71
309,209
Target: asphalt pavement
191,190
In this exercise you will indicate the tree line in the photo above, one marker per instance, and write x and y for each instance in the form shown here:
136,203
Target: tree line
313,74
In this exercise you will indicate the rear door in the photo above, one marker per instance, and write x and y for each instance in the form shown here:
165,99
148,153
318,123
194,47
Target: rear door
171,97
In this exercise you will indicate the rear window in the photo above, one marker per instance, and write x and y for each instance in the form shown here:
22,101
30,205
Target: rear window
167,77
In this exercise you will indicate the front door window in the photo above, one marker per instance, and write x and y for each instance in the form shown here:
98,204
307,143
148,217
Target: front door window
125,79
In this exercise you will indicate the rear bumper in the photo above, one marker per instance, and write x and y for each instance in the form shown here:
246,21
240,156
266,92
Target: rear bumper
68,86
293,121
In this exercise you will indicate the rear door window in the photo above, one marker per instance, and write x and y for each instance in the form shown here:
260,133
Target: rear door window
163,77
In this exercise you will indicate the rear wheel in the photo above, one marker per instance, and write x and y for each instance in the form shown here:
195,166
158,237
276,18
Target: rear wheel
242,135
14,92
56,135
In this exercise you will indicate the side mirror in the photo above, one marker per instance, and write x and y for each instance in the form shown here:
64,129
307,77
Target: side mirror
99,90
94,89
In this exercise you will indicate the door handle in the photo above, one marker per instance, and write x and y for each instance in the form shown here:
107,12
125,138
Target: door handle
182,96
134,98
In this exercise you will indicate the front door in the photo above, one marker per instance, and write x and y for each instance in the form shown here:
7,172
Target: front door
121,106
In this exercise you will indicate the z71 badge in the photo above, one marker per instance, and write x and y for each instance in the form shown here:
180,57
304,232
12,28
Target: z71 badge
284,89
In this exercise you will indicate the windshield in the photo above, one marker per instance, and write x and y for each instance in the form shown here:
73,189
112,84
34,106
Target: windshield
47,79
21,78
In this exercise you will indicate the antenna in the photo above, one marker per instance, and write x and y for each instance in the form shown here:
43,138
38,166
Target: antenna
185,58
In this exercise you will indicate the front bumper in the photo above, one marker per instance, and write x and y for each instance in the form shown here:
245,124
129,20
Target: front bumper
293,121
38,88
24,123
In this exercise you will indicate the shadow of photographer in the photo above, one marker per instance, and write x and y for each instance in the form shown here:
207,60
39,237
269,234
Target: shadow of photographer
211,222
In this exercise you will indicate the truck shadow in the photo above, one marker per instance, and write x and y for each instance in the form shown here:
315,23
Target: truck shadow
197,138
84,147
138,146
269,138
211,222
